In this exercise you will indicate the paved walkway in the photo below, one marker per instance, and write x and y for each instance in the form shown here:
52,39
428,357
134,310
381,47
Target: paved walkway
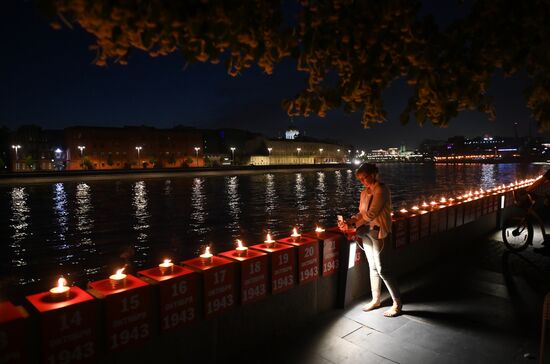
480,306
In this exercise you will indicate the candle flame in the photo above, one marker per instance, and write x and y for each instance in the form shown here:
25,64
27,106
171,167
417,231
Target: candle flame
207,250
403,211
167,261
414,208
239,243
295,232
61,282
119,271
433,203
424,204
268,237
319,229
443,200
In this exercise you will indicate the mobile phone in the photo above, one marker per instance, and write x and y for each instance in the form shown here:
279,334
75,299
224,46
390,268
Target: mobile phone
340,218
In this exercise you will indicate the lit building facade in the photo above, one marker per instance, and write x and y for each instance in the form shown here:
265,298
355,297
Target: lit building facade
300,152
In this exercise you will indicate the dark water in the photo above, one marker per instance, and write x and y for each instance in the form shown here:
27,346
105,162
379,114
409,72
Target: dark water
83,229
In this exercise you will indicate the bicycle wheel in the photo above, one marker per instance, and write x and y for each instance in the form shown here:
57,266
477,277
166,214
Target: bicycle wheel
517,233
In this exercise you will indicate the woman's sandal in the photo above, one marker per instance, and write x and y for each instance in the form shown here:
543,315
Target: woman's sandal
371,306
394,311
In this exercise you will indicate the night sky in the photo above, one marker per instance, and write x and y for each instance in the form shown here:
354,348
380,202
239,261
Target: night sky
47,79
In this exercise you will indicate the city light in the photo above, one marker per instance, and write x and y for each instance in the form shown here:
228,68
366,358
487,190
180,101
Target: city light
269,150
81,147
197,155
16,147
232,155
138,150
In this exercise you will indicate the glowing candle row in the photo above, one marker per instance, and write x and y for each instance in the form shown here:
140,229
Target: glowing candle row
467,196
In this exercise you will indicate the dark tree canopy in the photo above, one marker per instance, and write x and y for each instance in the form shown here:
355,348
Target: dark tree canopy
350,50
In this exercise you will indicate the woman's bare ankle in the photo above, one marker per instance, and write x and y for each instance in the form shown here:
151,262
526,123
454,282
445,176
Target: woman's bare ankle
374,303
394,310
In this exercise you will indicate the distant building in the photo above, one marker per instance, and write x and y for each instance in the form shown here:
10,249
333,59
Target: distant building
291,133
394,155
33,148
300,152
487,149
137,147
132,147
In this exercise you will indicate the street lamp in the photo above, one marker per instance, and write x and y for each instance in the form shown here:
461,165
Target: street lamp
81,147
138,150
269,150
16,147
232,155
338,150
197,154
298,150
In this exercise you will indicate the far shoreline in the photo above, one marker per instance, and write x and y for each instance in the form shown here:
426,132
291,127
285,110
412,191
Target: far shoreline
152,173
95,175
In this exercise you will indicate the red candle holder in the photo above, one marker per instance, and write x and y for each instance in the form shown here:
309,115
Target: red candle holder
127,311
218,282
68,327
12,332
252,270
308,257
282,266
178,295
330,250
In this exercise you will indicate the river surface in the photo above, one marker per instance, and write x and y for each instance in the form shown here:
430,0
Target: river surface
84,229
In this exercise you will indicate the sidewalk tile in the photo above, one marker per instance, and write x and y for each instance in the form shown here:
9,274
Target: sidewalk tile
397,350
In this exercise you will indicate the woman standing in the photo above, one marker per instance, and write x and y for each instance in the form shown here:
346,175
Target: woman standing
375,213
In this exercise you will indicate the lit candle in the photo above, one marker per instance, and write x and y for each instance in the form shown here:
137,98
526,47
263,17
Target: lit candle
295,235
241,250
118,279
415,208
166,267
319,230
424,204
206,257
443,200
403,211
268,241
61,292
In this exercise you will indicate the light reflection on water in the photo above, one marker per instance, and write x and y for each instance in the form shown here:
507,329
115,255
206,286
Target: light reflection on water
321,197
270,201
301,203
85,226
62,216
199,211
94,220
20,214
233,205
141,225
